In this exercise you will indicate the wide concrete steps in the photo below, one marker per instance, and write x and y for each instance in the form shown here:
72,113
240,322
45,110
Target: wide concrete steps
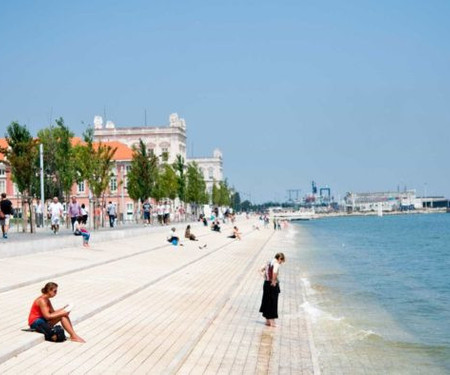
167,310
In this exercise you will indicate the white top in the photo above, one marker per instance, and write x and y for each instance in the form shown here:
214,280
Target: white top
56,209
276,266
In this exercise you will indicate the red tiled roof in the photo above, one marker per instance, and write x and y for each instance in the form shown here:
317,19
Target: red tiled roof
123,152
4,144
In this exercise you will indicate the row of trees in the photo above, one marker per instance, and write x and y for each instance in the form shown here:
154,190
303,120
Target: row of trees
66,163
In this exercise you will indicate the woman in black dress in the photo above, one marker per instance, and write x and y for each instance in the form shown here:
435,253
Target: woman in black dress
271,289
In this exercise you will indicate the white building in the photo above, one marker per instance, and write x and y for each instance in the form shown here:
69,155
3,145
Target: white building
388,201
165,141
211,167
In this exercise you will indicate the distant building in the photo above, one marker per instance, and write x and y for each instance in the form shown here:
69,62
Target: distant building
166,142
389,201
211,167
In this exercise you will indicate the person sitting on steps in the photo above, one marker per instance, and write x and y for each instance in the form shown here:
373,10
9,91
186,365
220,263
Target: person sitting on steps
43,313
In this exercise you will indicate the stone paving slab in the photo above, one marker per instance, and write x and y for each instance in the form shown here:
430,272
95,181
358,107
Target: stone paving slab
182,311
106,284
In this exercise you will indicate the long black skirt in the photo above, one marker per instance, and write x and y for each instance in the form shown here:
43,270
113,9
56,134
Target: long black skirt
269,303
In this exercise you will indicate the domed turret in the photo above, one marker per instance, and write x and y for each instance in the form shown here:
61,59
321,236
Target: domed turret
98,122
217,154
175,121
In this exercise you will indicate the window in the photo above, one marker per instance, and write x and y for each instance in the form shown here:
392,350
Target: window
81,187
2,170
2,186
113,184
128,168
130,210
151,151
165,154
210,173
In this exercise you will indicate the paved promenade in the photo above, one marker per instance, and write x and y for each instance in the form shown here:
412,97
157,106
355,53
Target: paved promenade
147,307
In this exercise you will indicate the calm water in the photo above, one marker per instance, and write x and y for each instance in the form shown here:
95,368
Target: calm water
382,287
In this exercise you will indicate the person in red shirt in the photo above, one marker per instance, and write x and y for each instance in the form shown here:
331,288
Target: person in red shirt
42,312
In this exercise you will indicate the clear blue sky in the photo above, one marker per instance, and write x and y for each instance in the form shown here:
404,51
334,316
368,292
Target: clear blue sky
352,94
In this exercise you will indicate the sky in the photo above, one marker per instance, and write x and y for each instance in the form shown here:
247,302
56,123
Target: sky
354,95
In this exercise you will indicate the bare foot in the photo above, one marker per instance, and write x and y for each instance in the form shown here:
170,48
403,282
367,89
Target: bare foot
77,339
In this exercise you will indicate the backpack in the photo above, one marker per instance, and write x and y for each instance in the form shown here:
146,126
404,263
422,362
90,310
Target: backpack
54,334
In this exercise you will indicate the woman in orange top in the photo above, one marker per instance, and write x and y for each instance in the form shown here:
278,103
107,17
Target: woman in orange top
42,312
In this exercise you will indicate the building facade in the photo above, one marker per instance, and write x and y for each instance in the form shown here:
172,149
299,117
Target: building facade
166,142
211,167
387,201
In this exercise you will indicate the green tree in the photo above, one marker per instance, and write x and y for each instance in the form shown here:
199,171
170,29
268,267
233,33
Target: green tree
21,154
94,165
180,166
236,201
59,161
143,174
215,194
246,205
196,187
224,194
167,186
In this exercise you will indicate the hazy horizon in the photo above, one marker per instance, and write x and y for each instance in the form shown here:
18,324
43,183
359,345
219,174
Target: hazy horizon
352,95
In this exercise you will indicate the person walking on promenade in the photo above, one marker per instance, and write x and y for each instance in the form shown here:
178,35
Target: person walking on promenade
166,213
111,211
84,213
74,211
39,214
160,211
43,316
6,212
146,207
56,210
271,289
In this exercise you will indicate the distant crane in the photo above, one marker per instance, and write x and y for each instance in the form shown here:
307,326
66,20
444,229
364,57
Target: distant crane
292,192
326,189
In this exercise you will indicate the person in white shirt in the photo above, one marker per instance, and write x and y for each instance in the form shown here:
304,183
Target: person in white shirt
39,214
56,211
160,210
271,289
166,213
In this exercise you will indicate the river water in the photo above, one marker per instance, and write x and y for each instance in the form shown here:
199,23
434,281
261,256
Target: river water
377,291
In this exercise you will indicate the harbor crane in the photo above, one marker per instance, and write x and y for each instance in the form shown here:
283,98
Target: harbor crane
292,192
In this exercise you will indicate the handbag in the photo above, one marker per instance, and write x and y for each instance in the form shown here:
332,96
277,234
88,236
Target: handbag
2,215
